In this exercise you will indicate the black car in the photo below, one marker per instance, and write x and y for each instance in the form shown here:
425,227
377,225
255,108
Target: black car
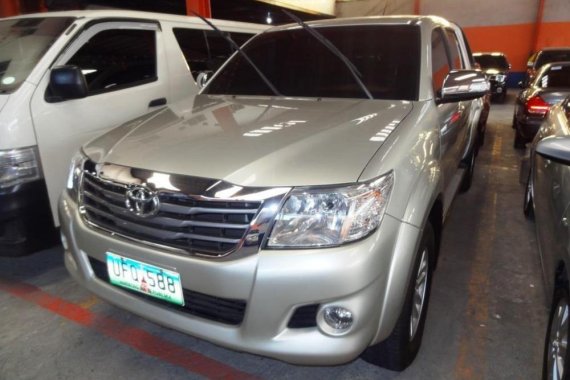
542,57
550,85
496,67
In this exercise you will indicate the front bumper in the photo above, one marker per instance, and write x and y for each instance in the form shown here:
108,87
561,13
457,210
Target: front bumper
498,88
26,223
369,277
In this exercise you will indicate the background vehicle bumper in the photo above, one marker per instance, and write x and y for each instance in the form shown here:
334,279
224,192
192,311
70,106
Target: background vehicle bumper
26,223
528,126
362,277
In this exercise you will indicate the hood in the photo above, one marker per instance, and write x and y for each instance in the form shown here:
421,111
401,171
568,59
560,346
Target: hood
255,141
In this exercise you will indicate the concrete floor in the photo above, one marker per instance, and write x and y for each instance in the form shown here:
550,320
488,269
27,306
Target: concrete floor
486,320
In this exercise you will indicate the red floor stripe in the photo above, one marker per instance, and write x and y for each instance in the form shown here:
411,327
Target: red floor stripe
134,337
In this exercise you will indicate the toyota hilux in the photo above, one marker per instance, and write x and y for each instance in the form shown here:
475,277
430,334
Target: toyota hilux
294,208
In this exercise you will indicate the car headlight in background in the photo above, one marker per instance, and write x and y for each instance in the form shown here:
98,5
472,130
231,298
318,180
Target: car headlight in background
499,77
329,217
75,172
18,166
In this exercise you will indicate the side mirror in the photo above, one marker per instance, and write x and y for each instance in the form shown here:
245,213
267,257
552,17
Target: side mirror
67,82
464,85
203,78
555,148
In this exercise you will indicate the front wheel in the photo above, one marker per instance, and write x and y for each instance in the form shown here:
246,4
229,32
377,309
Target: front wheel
401,347
556,361
519,142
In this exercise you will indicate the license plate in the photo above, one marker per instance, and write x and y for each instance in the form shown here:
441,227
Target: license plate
145,278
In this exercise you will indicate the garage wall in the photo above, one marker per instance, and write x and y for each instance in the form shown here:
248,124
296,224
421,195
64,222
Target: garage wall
373,7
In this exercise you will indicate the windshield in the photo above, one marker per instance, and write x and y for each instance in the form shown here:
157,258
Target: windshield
552,56
488,61
557,76
387,56
22,44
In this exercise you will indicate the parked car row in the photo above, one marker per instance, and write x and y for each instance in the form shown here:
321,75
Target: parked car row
542,117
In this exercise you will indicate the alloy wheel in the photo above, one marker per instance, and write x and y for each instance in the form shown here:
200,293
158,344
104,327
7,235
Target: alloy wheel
419,293
558,341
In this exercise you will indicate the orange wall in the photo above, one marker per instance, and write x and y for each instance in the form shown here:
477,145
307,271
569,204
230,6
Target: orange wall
517,41
513,40
554,34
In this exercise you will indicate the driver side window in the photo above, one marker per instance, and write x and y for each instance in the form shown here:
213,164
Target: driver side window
117,58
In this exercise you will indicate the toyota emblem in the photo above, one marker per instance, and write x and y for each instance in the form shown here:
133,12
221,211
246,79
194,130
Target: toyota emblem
142,201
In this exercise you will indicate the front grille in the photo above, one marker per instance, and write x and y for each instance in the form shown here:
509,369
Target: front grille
207,227
223,310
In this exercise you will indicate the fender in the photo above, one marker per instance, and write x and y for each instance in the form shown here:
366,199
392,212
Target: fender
426,192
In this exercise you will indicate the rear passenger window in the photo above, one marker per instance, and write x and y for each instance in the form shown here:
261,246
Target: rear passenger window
439,61
116,59
206,50
454,50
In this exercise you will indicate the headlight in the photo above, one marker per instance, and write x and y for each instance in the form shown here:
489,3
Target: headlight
499,77
329,217
18,166
75,172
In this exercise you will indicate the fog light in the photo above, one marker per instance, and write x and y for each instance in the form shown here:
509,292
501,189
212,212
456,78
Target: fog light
338,319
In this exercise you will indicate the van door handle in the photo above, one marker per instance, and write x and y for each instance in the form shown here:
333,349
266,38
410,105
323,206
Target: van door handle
157,102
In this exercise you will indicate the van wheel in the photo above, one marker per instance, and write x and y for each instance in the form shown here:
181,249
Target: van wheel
556,360
401,347
469,164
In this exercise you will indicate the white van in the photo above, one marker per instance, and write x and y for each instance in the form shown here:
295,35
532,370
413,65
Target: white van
128,64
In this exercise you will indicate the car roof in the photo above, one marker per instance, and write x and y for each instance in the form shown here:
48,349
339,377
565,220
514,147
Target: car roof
126,14
370,20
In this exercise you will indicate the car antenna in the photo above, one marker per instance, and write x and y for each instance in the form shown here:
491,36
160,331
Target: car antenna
329,45
236,46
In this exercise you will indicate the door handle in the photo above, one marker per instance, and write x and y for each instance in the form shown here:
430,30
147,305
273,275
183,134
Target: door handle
157,102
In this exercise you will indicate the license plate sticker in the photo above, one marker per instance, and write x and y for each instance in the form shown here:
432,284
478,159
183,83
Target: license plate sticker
145,278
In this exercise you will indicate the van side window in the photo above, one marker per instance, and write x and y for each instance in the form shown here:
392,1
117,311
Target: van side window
454,50
206,50
116,59
439,61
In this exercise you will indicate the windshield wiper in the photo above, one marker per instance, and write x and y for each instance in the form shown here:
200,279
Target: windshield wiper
329,45
236,46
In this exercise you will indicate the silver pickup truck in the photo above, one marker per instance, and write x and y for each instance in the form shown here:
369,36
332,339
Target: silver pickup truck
293,209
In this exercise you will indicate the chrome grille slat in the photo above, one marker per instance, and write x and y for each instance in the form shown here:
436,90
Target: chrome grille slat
189,222
163,220
185,210
164,234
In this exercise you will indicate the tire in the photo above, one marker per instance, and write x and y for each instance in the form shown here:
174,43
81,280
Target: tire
519,142
557,332
399,350
469,165
514,125
528,202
